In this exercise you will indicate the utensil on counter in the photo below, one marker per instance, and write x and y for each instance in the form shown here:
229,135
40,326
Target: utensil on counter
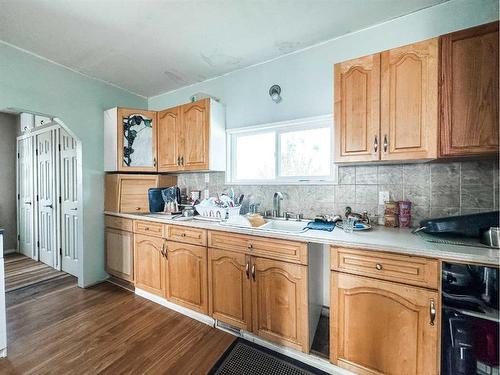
491,237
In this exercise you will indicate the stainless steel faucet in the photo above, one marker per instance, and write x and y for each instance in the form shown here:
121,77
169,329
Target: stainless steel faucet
277,198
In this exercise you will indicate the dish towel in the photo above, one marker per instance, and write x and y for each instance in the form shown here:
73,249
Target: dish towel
321,225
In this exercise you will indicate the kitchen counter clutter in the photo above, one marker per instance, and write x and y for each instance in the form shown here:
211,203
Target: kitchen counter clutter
380,238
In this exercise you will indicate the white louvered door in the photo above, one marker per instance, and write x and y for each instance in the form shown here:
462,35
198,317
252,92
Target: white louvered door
70,220
26,201
46,185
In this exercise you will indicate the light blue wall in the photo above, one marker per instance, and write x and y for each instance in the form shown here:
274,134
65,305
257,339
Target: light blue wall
29,83
306,77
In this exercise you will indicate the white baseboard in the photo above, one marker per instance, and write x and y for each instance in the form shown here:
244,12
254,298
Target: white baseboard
172,306
3,353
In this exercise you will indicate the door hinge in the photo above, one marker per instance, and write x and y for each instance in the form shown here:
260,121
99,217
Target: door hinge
60,200
18,196
18,156
38,244
19,237
60,251
37,197
36,152
59,145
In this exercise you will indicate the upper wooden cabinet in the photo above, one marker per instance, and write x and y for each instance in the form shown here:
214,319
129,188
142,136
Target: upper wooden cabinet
192,137
357,109
129,140
469,92
386,105
408,102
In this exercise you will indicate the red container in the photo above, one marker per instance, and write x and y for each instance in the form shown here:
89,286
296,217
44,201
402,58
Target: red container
404,208
405,221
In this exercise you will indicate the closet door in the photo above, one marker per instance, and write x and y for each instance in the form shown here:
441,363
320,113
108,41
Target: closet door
25,196
46,198
70,220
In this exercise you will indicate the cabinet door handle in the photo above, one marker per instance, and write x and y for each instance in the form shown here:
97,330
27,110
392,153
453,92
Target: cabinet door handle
253,272
178,160
385,143
378,266
375,144
247,270
182,160
166,250
432,312
163,249
154,162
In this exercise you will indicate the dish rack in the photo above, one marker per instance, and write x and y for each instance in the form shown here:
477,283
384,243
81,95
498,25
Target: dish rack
220,213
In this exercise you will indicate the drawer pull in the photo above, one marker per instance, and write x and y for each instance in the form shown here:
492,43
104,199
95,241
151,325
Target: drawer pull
183,234
247,270
378,266
432,312
253,272
250,246
146,228
137,208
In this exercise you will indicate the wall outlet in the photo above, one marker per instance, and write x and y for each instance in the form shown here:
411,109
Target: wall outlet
383,196
207,177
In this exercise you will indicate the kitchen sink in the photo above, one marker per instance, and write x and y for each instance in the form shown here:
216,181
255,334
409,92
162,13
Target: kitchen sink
285,226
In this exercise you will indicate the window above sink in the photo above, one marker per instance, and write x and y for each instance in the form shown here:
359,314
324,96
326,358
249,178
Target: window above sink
297,151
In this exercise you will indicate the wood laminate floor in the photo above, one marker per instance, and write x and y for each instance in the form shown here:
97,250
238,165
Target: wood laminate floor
21,271
62,329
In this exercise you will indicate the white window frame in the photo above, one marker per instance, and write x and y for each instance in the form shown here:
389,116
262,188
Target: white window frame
279,128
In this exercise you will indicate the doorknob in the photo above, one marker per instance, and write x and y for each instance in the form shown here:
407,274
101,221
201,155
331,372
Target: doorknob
74,209
27,203
49,205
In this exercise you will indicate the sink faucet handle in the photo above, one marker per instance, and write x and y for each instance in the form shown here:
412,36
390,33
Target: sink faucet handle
299,217
287,215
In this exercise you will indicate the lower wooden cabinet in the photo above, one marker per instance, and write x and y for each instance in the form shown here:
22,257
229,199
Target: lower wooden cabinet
381,327
230,288
186,276
280,303
149,265
120,253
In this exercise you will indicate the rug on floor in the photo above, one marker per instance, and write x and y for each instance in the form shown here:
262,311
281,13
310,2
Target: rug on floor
246,358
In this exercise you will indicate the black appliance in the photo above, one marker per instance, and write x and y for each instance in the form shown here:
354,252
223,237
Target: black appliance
470,320
464,225
156,202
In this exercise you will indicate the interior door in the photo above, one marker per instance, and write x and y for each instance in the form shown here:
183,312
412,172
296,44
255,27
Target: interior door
169,152
195,120
26,225
46,198
409,97
70,218
357,109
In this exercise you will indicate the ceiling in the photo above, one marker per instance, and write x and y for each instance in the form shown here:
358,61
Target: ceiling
153,46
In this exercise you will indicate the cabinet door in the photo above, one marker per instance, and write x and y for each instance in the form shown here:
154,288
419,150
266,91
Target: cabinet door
380,327
149,264
357,109
120,253
136,140
409,95
186,282
229,287
279,302
195,133
469,92
169,127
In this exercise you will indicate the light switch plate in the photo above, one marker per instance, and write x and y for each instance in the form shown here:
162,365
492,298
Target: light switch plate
383,196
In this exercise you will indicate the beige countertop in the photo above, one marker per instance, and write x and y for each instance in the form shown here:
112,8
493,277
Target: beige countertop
400,241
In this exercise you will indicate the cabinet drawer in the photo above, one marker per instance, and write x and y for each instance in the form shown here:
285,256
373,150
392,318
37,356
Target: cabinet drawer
148,227
118,223
393,267
192,236
289,251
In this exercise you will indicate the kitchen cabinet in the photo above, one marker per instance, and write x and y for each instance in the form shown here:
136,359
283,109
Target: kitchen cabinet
130,140
191,137
230,288
149,263
409,102
386,105
129,192
280,306
119,248
469,92
186,275
169,140
383,327
357,109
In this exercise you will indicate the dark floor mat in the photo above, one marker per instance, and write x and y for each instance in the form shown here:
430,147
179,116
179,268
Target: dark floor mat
246,358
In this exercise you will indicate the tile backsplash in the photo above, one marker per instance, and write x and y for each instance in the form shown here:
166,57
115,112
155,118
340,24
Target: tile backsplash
435,189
